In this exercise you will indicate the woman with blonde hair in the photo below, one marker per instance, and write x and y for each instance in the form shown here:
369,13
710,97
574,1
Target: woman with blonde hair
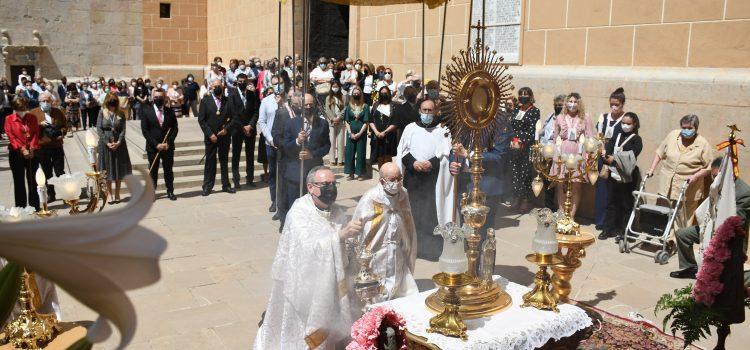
334,112
573,123
113,150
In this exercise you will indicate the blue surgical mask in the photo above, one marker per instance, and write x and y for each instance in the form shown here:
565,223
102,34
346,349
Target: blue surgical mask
426,118
45,106
687,133
278,89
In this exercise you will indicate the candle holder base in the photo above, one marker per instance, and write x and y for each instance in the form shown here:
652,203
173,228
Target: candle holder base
478,299
575,246
449,321
542,296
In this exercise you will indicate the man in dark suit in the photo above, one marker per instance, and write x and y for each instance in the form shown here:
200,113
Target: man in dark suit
88,106
283,114
156,122
62,91
214,118
245,105
407,112
305,141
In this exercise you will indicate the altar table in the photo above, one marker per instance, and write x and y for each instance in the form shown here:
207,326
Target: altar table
513,328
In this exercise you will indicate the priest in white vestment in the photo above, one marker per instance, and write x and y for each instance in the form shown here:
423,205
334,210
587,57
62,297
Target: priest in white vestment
423,156
311,305
389,233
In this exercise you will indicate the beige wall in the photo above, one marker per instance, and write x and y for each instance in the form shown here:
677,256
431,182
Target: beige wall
179,40
78,38
240,29
671,33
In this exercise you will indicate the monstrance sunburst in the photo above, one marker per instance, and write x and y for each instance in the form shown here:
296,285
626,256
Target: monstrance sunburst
475,86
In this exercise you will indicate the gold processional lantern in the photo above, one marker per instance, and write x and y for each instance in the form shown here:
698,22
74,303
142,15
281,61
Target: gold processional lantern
475,85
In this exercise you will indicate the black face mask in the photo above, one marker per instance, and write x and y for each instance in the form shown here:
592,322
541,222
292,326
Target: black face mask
113,103
328,194
384,98
524,100
159,102
217,91
310,112
558,110
242,86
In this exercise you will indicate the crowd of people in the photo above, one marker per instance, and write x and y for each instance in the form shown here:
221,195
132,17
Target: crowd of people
349,103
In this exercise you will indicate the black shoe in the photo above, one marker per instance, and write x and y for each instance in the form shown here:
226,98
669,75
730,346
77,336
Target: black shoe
276,217
603,236
251,185
272,208
171,196
686,273
205,193
229,190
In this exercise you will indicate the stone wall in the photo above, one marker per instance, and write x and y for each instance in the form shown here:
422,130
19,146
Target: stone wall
672,33
240,29
179,40
78,38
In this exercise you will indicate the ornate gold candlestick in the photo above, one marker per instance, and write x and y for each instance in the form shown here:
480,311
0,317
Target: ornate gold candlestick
449,321
542,296
569,235
97,193
31,330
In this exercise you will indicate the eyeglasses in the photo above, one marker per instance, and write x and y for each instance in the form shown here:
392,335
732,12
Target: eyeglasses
327,183
396,179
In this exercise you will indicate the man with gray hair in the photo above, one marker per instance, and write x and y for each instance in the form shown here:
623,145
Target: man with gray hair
52,127
312,305
304,142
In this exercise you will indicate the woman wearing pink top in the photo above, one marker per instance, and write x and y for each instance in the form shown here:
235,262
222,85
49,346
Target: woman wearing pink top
573,123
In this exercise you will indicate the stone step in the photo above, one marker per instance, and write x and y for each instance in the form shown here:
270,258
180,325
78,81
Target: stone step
194,150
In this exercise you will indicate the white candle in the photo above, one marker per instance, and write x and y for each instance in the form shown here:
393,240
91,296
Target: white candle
571,162
92,157
548,151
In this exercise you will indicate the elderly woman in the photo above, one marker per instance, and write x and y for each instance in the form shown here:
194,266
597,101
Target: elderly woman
686,156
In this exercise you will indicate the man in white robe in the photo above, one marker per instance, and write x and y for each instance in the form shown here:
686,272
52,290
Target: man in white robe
389,232
310,305
423,156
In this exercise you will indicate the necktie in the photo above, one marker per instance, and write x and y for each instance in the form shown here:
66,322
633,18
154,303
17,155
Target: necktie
160,116
244,99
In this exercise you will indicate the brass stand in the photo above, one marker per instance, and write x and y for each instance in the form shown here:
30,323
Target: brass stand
96,193
30,330
480,298
449,322
575,246
542,297
45,212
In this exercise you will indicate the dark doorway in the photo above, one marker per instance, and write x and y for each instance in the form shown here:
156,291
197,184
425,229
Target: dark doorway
15,71
329,30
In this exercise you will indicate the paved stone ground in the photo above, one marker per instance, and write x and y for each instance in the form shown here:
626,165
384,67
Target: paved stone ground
215,272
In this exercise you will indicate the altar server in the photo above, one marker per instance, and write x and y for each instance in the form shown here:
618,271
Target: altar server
310,304
423,157
389,232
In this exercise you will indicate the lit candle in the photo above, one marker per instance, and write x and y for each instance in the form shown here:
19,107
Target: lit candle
539,129
571,162
41,185
68,186
92,140
548,151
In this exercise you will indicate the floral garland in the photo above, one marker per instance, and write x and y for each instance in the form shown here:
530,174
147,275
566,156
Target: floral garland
707,284
366,331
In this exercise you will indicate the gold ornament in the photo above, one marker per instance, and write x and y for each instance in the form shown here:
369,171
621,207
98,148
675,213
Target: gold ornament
30,330
542,296
449,322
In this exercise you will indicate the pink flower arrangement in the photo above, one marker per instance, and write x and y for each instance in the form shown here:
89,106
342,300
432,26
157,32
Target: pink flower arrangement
366,330
707,284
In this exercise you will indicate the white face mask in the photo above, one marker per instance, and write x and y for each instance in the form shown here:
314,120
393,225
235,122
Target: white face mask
242,67
348,66
571,106
335,89
387,76
357,66
174,86
392,187
627,127
190,78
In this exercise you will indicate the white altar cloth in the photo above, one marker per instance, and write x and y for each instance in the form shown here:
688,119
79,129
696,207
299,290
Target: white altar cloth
513,328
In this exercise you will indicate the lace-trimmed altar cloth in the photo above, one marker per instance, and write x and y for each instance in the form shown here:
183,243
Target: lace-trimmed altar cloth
513,328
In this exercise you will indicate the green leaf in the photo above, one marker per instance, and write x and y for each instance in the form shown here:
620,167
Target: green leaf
82,344
10,287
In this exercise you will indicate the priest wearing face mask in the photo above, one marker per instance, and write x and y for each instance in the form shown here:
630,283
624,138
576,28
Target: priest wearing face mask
214,118
157,120
304,141
423,156
389,232
311,305
52,127
684,155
